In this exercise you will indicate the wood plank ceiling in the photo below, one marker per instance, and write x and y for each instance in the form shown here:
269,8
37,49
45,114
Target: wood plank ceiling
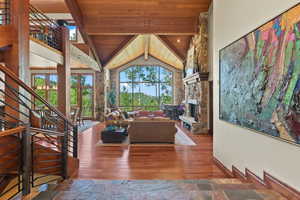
110,24
165,17
50,6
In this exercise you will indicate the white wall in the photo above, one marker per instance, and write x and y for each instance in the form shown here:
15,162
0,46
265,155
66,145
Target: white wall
237,146
41,56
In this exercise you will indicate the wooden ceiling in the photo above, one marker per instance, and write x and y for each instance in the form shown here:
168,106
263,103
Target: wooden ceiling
108,25
178,43
50,6
163,17
108,46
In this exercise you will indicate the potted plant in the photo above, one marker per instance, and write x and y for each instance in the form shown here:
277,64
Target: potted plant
111,98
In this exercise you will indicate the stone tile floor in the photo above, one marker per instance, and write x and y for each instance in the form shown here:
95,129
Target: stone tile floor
215,189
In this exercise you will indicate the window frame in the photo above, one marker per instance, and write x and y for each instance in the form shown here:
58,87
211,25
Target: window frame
47,87
76,30
158,84
80,87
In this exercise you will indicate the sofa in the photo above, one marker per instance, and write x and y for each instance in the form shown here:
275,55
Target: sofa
152,130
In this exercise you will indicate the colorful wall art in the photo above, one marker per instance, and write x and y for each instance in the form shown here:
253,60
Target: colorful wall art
260,78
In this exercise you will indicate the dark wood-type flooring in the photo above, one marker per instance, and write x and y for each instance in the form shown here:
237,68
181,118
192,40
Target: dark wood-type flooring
148,163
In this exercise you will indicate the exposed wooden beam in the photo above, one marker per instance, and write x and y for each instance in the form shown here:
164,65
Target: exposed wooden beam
121,49
64,75
147,46
78,17
163,61
136,25
179,43
129,61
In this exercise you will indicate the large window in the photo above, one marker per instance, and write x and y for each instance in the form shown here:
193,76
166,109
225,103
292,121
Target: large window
45,85
145,87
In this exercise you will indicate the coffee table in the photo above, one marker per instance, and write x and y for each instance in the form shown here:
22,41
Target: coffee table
113,134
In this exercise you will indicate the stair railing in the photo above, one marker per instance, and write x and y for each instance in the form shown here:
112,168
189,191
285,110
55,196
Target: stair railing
50,136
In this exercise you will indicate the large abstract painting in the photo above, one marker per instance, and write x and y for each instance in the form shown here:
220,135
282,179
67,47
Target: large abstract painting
260,78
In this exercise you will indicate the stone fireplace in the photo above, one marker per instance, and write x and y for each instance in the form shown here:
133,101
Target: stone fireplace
196,103
195,80
193,110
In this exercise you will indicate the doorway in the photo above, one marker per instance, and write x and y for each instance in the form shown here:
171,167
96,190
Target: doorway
82,94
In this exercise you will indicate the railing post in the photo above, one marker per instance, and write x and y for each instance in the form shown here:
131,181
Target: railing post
26,159
75,141
65,151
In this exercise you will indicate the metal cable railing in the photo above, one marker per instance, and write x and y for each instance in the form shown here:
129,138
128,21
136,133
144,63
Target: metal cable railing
52,138
44,29
4,12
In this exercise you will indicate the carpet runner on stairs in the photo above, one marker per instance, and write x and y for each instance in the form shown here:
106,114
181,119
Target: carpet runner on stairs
214,189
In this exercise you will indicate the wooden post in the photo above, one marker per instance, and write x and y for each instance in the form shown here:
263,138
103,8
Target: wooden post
99,95
64,75
26,161
16,57
75,141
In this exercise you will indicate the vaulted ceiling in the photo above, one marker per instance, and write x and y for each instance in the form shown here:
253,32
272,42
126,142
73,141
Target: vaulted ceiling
146,45
108,46
107,26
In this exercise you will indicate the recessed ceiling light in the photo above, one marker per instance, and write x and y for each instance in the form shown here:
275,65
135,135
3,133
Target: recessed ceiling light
178,40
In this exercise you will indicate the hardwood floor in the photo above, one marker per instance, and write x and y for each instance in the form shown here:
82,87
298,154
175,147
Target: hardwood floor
149,162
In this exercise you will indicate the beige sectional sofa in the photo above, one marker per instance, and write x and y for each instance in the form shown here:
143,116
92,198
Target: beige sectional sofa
152,131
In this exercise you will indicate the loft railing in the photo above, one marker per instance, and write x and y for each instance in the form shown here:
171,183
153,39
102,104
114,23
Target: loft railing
4,12
44,29
48,138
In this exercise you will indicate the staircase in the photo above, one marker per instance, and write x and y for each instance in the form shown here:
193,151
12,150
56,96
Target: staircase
38,144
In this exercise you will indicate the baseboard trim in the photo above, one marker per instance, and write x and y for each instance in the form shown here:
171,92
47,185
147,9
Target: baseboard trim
223,168
268,182
238,174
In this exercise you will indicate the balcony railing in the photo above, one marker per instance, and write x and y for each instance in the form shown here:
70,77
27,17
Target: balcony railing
45,29
4,12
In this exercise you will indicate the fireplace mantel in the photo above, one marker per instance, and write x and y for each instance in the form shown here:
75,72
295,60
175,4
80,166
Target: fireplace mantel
191,101
196,77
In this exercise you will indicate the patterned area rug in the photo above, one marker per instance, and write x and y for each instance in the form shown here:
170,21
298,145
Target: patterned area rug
180,139
223,189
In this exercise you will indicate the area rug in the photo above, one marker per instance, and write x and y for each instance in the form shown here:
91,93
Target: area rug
181,139
216,189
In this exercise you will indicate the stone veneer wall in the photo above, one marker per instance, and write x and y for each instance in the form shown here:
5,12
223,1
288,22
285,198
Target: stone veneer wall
200,90
178,91
100,95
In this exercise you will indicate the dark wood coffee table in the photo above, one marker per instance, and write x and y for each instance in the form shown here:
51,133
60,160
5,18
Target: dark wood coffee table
117,135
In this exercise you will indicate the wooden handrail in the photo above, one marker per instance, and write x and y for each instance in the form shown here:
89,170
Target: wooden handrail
12,131
33,93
